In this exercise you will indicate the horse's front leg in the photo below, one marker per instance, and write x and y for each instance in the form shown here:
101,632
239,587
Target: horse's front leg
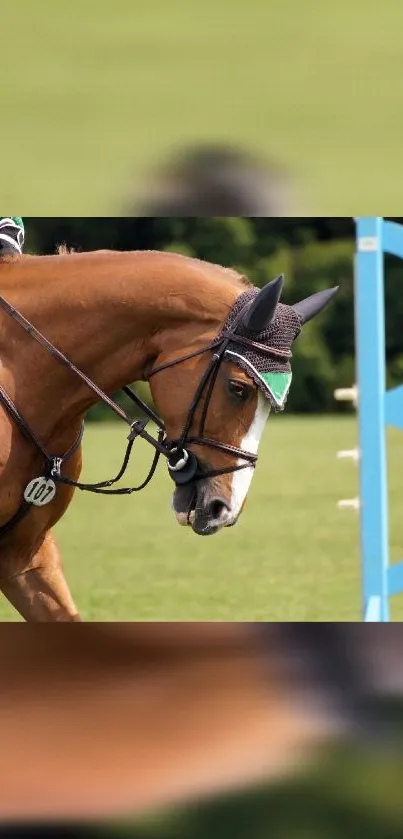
40,592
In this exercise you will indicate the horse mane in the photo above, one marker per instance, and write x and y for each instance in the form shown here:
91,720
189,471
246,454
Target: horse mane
229,273
64,250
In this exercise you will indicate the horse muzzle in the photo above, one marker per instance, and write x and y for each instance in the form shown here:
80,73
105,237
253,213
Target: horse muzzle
200,506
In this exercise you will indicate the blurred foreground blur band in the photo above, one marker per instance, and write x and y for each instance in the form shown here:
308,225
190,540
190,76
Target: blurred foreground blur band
107,721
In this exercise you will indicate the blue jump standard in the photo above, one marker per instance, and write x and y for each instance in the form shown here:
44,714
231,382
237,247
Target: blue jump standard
377,408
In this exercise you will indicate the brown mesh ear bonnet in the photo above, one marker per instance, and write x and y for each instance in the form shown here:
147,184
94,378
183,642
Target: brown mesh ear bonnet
271,373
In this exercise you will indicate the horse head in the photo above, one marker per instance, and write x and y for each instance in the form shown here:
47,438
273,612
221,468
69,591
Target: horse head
216,396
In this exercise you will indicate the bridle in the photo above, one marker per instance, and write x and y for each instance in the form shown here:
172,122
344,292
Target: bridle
183,465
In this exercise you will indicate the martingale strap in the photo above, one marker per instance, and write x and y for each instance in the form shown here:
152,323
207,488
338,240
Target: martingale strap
49,460
53,463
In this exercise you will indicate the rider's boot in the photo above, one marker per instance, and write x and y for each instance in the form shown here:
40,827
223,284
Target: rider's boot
12,235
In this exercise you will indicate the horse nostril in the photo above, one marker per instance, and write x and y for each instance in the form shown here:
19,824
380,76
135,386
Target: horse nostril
217,507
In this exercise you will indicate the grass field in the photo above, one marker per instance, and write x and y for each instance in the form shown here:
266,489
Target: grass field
293,555
95,93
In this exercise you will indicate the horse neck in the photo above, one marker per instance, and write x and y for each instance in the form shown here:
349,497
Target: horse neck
111,314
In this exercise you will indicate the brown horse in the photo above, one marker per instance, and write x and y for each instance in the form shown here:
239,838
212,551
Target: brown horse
121,317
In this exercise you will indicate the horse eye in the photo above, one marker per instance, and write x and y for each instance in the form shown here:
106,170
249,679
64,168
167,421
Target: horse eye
239,389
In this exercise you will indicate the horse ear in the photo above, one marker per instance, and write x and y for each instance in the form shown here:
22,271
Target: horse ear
261,312
311,306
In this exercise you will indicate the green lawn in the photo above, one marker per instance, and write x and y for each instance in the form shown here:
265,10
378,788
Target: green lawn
93,94
293,555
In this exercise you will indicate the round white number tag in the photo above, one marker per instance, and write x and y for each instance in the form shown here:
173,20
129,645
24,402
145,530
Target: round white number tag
40,491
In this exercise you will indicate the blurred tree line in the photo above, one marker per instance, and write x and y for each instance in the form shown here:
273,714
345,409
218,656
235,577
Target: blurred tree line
313,253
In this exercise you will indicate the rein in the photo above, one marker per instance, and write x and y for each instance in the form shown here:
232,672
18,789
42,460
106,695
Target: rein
183,464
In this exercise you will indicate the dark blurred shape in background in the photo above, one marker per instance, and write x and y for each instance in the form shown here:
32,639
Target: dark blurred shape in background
215,180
